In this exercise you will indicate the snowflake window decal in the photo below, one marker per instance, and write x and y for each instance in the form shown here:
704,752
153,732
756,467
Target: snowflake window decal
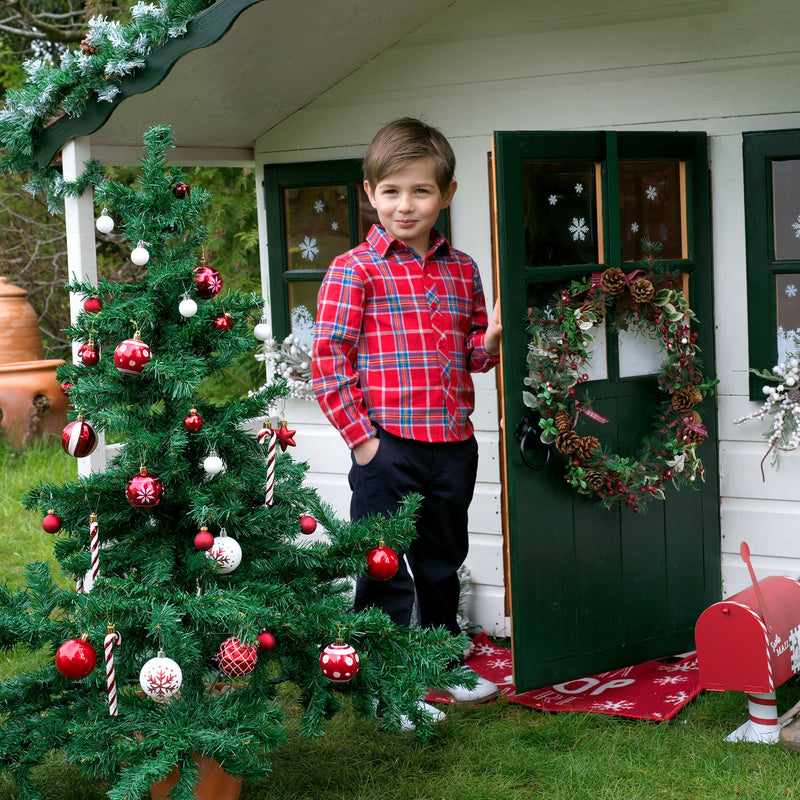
634,227
790,290
578,188
796,226
651,192
334,226
308,248
553,200
578,229
319,206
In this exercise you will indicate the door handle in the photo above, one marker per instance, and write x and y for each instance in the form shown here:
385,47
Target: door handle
527,436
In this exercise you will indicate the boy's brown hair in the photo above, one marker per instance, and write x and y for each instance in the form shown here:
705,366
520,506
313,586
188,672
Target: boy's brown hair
399,143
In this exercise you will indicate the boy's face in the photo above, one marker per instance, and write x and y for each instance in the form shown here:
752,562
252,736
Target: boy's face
409,201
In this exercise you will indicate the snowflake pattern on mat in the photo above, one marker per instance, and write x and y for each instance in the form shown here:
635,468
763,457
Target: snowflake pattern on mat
689,666
651,192
790,290
613,705
308,248
578,229
681,697
796,226
484,649
552,199
500,662
319,206
668,680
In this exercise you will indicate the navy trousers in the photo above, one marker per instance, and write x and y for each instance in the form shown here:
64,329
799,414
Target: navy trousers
444,474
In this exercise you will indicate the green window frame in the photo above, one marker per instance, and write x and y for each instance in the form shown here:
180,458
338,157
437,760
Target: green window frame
772,243
288,188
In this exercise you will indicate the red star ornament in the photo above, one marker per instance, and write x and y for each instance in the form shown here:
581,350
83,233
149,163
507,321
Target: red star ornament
285,437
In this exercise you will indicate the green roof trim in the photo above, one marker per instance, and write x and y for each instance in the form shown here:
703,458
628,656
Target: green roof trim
205,29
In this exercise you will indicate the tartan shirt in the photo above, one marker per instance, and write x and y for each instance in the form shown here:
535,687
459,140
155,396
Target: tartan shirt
396,339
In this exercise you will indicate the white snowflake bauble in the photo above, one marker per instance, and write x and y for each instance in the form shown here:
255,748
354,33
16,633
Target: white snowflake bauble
187,307
104,223
213,464
262,331
226,553
160,678
140,256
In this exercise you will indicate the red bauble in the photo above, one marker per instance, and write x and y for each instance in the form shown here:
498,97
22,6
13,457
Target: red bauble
181,190
204,540
237,659
208,281
89,353
223,323
76,659
92,305
285,437
144,490
52,522
78,439
131,356
266,642
307,524
65,387
192,422
382,562
339,662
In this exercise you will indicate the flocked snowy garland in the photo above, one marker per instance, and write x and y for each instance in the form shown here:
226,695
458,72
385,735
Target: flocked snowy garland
110,52
557,353
291,360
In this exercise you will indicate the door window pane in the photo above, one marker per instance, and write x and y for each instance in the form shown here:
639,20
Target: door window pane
639,353
786,208
788,305
562,213
652,205
317,225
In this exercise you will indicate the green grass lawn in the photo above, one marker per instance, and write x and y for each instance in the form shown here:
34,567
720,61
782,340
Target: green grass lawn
499,751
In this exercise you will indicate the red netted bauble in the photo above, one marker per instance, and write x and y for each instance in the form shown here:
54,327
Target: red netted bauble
237,659
78,439
266,642
144,490
208,281
131,356
192,422
339,662
52,522
382,562
76,658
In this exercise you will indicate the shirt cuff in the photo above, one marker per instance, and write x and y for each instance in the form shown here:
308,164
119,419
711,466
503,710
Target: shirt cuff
357,432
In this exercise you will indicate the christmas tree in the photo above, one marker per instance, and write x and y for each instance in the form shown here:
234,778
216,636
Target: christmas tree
197,589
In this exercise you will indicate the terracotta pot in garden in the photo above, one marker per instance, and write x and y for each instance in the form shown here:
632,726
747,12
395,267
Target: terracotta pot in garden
214,782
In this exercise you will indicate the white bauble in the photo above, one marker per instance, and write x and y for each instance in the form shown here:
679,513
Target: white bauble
187,307
262,331
104,223
160,678
213,464
140,256
226,553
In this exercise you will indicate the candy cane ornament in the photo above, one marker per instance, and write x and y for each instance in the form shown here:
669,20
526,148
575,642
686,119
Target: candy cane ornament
268,435
94,544
112,638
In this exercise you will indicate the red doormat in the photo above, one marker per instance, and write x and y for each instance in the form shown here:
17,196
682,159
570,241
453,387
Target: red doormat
655,690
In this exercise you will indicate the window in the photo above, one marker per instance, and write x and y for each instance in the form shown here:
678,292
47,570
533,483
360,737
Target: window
772,227
315,211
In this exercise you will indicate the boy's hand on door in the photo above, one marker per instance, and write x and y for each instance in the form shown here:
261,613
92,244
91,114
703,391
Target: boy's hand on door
494,331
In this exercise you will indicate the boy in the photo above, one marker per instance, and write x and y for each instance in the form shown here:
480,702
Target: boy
401,323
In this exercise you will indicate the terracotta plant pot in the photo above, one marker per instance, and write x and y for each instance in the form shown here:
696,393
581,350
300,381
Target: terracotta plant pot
20,339
214,782
31,402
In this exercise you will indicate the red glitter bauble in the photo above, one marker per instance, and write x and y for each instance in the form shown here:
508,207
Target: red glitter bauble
237,659
204,540
266,642
76,659
208,281
52,522
307,524
144,490
192,422
382,563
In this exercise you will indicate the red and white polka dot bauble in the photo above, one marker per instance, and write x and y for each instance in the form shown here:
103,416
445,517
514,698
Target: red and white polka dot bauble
78,439
144,490
339,662
131,356
160,678
225,553
237,659
208,281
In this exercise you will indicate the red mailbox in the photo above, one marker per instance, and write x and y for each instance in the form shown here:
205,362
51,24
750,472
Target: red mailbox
750,642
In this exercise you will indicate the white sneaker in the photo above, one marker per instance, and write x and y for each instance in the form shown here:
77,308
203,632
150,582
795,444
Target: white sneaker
483,691
406,723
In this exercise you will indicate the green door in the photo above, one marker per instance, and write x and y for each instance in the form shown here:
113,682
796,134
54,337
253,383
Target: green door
595,589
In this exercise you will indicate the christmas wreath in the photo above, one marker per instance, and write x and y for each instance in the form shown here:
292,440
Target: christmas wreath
646,300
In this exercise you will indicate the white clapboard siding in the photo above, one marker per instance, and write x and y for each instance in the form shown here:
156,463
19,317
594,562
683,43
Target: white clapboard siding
717,66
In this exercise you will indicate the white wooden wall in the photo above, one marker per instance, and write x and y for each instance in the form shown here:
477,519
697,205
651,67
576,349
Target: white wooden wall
720,66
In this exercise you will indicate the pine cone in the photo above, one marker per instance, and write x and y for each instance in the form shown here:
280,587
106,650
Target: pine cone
642,291
586,448
689,435
563,421
567,441
595,480
87,48
685,398
613,280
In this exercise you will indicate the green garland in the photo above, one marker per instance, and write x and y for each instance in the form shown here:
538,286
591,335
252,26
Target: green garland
557,352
